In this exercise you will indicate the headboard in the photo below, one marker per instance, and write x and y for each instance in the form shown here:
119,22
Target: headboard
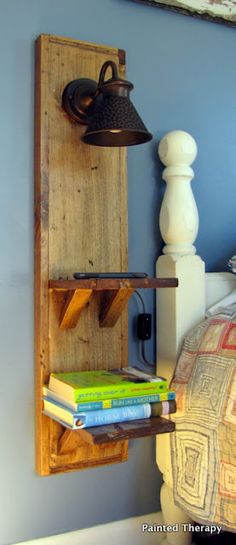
180,309
218,285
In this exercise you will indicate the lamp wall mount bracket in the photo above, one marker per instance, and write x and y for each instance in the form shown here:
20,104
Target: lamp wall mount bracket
78,99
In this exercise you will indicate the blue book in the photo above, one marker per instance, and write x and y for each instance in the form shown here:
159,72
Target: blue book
107,403
88,419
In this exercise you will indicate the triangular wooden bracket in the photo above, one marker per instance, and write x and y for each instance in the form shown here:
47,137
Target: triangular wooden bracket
69,441
75,302
113,303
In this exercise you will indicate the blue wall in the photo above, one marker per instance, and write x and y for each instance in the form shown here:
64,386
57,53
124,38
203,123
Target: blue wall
184,75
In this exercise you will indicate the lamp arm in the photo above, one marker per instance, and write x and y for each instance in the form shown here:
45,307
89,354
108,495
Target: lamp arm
103,70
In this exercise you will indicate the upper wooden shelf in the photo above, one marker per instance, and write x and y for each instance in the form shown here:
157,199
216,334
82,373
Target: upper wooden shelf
115,295
102,284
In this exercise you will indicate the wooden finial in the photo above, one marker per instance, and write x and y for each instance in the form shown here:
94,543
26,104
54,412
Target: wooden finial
178,215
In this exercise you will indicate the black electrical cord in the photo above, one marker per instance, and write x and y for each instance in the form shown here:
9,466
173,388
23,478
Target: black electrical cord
141,343
141,299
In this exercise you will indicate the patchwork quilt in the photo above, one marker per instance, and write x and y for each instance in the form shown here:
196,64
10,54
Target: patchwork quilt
203,447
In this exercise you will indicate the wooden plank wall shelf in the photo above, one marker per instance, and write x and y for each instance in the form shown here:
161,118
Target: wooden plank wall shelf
80,224
115,432
115,295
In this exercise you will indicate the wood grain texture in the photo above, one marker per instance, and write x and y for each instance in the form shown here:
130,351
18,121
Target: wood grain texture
75,302
80,224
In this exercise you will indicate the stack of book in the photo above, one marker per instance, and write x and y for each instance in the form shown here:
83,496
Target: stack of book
85,399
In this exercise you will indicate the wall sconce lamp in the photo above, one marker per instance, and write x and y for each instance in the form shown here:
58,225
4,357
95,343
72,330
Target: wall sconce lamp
107,110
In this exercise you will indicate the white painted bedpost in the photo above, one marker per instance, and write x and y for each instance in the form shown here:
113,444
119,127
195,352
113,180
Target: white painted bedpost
177,309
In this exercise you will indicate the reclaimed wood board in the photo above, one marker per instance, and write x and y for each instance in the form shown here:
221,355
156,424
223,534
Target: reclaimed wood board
80,225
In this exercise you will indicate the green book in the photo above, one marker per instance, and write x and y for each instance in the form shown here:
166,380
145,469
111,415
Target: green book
107,403
98,385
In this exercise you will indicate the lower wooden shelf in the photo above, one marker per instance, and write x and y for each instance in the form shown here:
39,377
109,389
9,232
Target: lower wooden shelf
110,433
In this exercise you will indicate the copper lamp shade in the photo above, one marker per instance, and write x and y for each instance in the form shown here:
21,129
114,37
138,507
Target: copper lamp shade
107,110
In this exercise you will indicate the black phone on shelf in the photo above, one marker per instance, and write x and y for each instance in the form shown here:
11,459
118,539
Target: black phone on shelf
85,276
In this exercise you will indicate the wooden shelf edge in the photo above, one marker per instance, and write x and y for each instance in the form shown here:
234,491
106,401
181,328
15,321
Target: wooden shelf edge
102,284
100,435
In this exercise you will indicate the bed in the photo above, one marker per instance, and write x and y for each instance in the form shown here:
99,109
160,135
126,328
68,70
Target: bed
178,312
186,458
